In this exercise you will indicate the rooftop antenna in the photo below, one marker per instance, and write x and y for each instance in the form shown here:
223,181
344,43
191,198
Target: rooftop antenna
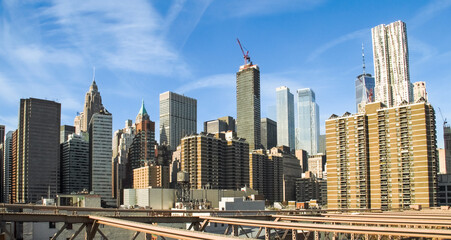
363,58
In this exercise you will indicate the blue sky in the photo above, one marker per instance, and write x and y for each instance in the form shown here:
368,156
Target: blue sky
143,48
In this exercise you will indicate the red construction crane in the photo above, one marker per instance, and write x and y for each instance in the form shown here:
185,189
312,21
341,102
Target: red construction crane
246,57
369,93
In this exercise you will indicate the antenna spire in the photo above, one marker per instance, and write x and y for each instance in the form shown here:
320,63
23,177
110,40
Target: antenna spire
93,74
363,58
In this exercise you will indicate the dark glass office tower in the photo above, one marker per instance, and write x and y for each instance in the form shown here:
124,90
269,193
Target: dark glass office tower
248,105
38,149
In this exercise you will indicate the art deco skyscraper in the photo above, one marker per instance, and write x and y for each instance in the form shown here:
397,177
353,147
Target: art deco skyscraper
285,117
178,118
248,104
307,132
100,150
38,150
391,64
93,104
142,148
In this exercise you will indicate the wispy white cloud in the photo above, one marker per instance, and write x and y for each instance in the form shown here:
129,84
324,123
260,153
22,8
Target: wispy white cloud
9,121
429,11
118,35
263,7
420,51
8,92
47,47
214,81
350,36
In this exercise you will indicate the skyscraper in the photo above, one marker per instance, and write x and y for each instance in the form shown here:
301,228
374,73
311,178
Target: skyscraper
93,104
38,154
2,134
248,104
142,148
307,132
2,150
268,133
391,64
14,167
7,167
217,161
178,118
266,174
122,139
100,149
447,140
74,164
383,158
364,90
285,117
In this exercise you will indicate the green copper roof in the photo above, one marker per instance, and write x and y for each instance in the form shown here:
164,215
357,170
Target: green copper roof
143,110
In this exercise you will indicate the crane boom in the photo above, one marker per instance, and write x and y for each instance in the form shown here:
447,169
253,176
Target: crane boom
246,57
444,119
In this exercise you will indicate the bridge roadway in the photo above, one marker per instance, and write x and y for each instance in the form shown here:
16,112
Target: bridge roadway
284,224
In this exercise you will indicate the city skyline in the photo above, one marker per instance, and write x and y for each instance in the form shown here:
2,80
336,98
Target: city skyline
60,69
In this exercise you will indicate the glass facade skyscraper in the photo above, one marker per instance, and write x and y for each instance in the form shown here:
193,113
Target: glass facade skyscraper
307,131
101,151
248,105
38,150
178,118
364,90
285,117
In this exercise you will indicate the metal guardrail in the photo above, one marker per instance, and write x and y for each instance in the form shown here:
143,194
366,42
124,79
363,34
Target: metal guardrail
330,228
364,220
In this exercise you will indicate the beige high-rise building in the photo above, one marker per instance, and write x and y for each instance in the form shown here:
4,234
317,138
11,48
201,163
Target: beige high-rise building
151,176
218,161
266,173
383,158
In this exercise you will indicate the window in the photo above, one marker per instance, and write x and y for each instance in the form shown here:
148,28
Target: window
52,225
